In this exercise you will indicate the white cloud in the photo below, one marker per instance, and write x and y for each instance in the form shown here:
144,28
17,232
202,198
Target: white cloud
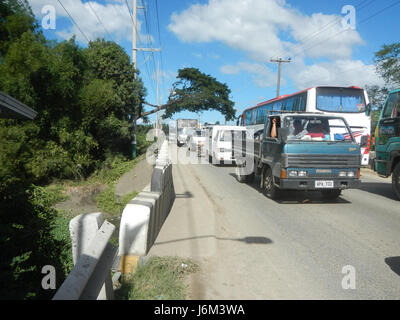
339,72
114,16
261,74
266,29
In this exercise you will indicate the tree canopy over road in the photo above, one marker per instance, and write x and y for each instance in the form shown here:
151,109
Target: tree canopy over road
195,91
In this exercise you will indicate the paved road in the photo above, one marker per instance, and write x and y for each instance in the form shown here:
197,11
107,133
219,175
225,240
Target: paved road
251,247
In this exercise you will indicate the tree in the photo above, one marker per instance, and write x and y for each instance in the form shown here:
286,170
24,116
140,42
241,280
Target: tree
196,92
388,64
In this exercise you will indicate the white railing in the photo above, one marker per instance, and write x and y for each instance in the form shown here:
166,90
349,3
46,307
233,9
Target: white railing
141,221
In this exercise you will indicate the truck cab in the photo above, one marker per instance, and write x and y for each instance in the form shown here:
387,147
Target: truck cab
306,151
387,141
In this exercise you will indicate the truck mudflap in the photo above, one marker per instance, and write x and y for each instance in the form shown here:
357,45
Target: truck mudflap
318,184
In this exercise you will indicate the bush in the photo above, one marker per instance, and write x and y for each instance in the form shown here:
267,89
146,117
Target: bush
27,242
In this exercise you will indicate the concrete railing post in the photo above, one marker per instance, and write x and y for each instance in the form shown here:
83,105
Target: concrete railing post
93,256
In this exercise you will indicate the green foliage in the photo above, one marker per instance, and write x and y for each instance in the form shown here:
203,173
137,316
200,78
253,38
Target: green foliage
388,64
108,202
112,169
27,243
196,91
85,99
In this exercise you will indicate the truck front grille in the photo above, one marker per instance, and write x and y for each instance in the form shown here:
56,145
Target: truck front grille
321,161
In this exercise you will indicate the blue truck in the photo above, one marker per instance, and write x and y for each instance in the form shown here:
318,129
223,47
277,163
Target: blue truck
301,151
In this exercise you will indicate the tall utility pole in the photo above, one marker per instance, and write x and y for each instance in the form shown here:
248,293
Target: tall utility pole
134,61
279,61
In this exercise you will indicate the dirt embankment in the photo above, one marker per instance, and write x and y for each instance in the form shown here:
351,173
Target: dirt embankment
82,199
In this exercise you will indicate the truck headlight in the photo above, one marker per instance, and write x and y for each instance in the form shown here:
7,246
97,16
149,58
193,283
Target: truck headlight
293,173
342,174
302,173
350,174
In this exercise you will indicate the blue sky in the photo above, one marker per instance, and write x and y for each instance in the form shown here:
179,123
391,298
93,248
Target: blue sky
234,40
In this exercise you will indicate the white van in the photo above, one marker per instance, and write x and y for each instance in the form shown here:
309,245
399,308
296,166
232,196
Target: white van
219,143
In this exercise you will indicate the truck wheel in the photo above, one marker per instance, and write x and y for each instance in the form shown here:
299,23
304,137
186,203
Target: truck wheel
396,180
270,190
331,194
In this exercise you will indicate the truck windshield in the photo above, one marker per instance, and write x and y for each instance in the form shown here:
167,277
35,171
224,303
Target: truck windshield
392,106
340,100
314,128
199,133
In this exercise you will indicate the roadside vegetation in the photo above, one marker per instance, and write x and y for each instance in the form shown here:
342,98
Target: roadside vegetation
159,278
85,99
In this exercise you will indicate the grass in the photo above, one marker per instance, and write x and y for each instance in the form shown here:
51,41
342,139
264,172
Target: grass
160,278
108,202
60,232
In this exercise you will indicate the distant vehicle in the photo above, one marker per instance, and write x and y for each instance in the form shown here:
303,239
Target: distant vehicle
184,127
196,141
387,146
350,103
219,144
312,151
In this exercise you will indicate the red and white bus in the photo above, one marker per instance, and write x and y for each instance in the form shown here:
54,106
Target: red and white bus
348,102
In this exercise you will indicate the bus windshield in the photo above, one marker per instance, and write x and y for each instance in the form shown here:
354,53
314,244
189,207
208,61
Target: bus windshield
199,133
314,128
340,100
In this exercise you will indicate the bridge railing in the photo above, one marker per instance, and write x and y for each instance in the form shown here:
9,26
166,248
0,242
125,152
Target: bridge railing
141,221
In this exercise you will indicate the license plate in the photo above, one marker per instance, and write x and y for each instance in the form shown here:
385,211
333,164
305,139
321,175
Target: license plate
324,184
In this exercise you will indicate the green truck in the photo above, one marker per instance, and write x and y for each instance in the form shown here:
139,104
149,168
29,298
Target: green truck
387,141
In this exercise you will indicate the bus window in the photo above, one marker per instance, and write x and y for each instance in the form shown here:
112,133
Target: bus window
303,102
283,106
248,117
296,103
392,107
253,116
340,100
289,104
278,106
261,114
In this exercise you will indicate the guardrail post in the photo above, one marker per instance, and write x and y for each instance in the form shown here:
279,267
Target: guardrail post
85,238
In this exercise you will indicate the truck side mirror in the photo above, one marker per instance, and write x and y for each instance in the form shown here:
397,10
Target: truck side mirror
363,141
368,110
283,134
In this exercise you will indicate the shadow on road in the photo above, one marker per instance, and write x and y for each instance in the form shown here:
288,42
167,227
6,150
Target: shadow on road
296,197
378,188
394,264
186,194
247,240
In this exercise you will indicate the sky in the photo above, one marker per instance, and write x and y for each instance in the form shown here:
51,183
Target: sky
328,42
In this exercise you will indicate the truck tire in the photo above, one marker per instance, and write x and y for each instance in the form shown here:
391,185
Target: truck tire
331,194
270,190
396,180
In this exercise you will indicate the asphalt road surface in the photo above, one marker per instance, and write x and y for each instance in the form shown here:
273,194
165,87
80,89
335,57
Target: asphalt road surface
300,247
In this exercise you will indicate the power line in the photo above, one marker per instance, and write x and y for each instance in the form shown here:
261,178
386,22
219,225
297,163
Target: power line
301,43
344,30
72,19
140,41
159,39
94,12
